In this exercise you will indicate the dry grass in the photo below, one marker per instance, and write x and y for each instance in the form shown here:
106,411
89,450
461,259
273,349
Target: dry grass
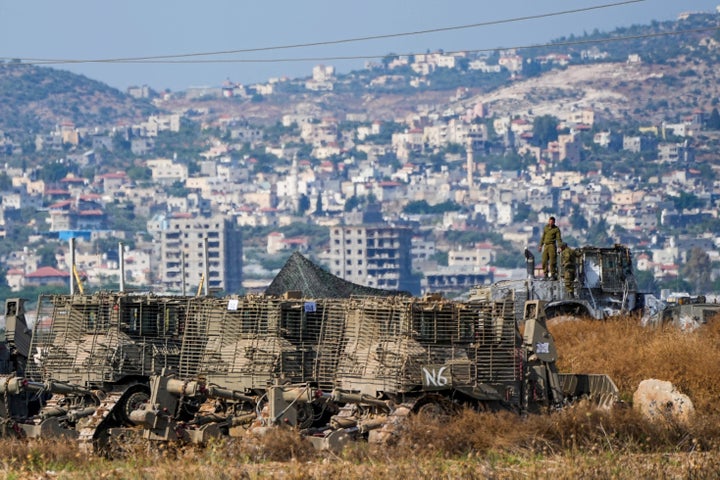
577,442
630,353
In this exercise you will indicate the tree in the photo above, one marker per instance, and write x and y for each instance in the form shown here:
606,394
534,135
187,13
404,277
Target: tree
522,212
440,257
177,189
646,281
303,205
5,181
545,129
687,201
53,172
139,173
531,68
713,122
577,219
697,270
318,204
597,234
47,255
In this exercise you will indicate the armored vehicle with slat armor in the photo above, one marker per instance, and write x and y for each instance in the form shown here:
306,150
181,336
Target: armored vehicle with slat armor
91,358
353,367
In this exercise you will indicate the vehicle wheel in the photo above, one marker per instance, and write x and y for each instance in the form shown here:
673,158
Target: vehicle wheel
437,407
133,402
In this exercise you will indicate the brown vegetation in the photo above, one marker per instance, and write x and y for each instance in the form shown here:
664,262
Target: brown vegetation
629,353
576,442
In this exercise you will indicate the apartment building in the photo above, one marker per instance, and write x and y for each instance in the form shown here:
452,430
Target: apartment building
182,253
373,254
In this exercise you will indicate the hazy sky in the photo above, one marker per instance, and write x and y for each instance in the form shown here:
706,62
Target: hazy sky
94,29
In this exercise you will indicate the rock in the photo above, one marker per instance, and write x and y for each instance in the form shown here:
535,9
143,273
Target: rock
660,400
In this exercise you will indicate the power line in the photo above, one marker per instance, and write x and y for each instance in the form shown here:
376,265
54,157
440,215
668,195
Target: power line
152,59
371,57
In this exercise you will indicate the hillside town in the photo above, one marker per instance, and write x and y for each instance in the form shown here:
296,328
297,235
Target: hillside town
393,196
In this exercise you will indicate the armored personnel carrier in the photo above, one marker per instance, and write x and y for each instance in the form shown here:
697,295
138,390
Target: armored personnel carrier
604,286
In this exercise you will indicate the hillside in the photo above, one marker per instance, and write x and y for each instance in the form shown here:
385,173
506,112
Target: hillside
643,93
35,99
675,75
618,92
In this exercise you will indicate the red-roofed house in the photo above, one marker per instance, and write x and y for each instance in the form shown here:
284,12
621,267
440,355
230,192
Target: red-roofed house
47,276
83,213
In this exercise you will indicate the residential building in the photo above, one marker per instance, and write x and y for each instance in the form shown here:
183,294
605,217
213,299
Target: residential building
167,172
45,277
374,254
182,252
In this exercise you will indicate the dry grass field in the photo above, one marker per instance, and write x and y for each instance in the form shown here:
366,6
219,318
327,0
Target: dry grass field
578,442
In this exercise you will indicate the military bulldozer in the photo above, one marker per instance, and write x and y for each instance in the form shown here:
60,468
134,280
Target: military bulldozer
341,369
604,286
16,401
90,360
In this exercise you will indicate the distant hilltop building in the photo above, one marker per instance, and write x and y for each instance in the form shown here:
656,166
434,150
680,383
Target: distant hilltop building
139,92
322,78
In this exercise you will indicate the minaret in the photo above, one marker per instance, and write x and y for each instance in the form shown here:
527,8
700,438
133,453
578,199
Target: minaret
470,162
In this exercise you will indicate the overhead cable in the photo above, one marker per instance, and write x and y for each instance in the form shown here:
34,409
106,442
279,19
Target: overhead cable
588,41
158,58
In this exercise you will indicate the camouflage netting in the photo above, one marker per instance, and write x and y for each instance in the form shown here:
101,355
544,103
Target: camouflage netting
300,274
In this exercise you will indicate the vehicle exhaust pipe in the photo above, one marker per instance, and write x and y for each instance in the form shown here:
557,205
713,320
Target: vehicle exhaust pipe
530,263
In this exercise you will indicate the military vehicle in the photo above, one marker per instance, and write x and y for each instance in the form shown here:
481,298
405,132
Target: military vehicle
604,286
17,402
91,360
683,311
15,345
339,369
192,368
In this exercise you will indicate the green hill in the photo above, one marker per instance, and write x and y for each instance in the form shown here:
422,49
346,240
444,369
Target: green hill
34,99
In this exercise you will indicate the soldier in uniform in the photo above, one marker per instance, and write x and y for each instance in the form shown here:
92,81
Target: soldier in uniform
548,246
567,260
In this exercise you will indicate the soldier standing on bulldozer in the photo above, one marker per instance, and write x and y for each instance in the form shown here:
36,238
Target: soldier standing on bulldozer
548,246
567,260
